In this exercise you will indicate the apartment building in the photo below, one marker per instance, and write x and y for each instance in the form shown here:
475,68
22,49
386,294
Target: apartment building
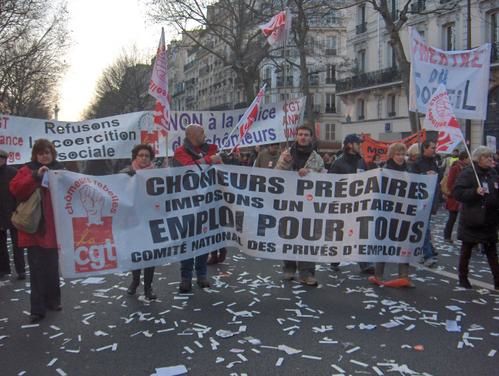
373,97
199,80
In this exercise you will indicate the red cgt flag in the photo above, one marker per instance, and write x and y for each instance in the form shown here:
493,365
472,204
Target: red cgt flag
277,29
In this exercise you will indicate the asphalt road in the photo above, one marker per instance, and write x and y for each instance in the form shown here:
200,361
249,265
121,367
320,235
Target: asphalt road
251,323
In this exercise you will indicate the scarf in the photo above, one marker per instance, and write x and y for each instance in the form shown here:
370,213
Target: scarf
135,166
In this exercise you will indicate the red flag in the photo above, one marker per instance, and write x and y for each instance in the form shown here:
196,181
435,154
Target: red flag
277,29
249,116
158,87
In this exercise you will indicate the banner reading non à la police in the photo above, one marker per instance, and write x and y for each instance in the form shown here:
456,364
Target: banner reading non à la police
115,223
465,74
114,137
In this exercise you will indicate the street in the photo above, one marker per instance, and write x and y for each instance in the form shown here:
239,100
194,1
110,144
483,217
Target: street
252,323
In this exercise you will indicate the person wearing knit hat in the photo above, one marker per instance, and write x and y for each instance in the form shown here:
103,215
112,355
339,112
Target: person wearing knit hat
351,162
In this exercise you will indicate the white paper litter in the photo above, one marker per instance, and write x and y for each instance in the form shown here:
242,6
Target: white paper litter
171,371
451,326
93,281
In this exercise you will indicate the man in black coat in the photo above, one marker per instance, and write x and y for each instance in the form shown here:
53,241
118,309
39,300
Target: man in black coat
7,207
351,162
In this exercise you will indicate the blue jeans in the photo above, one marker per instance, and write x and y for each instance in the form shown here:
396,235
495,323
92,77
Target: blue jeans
186,267
428,250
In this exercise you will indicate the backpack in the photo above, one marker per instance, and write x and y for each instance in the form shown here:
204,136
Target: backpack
28,214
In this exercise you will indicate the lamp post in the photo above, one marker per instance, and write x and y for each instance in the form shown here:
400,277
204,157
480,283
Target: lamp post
56,111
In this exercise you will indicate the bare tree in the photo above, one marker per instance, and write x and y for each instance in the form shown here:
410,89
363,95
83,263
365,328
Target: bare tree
122,87
212,24
33,39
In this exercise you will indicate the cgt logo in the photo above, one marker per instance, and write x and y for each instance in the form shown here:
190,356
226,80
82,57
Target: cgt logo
94,247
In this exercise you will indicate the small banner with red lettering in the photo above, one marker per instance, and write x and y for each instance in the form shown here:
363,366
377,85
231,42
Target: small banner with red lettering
371,147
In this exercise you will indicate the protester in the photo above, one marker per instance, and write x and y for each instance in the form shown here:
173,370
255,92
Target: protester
351,162
396,161
412,155
376,162
267,158
195,151
7,207
426,164
301,157
451,204
42,245
142,157
328,160
479,212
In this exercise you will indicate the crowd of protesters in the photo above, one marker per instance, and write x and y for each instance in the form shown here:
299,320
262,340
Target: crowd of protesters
469,188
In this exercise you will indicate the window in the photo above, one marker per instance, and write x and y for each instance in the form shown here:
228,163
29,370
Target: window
284,96
360,109
450,36
317,103
393,9
380,107
391,105
391,58
361,61
361,20
330,18
494,35
330,132
330,73
331,45
330,103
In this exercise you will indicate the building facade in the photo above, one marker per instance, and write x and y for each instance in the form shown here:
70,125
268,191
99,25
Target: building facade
374,100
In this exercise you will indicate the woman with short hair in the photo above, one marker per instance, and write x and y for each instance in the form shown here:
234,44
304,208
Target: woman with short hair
479,212
142,156
396,161
43,257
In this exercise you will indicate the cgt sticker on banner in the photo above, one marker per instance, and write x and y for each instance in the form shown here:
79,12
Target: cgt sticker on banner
94,247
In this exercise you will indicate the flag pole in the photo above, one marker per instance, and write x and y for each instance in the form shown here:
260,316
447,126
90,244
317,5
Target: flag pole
284,45
471,160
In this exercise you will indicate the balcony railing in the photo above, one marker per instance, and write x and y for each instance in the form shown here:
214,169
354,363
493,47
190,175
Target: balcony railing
189,65
369,79
330,109
330,51
361,28
330,80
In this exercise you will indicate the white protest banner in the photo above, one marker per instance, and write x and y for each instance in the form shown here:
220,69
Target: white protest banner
464,73
378,215
113,137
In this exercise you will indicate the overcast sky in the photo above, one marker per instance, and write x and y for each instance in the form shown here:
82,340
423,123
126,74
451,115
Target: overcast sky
100,30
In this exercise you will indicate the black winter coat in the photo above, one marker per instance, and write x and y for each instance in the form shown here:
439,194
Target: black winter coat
347,164
7,201
465,192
